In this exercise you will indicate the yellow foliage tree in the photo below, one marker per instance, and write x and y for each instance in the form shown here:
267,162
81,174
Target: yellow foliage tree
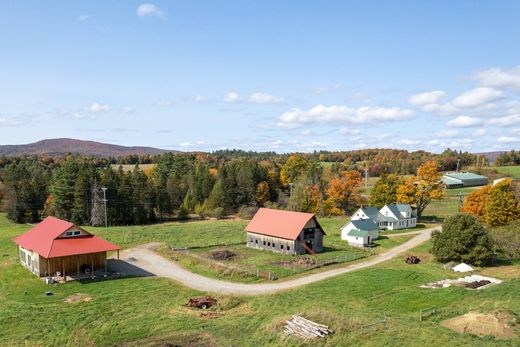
502,204
262,193
293,168
421,189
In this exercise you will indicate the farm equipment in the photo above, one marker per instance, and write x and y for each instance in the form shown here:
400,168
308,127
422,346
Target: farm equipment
202,302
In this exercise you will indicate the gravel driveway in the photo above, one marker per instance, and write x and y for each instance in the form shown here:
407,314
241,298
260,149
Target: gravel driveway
146,260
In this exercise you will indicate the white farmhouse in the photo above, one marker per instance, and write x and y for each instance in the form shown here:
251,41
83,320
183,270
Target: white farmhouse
365,225
396,216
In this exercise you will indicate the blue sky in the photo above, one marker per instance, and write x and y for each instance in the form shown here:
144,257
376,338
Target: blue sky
263,75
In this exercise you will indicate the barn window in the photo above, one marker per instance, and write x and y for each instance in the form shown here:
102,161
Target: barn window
281,246
264,243
274,245
288,248
73,233
256,241
268,244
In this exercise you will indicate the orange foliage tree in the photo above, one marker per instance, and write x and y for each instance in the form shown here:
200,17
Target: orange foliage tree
476,201
343,191
421,189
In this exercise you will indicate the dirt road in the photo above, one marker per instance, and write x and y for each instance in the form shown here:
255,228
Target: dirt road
144,258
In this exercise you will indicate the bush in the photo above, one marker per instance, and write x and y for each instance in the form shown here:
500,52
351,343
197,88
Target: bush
183,213
507,240
218,213
463,239
247,212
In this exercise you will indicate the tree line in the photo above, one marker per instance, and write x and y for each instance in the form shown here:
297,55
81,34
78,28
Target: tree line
207,184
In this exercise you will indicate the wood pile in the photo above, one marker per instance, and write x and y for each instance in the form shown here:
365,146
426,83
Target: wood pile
412,259
305,328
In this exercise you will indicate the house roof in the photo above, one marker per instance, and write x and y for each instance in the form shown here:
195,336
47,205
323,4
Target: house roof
364,224
371,212
279,223
358,233
44,240
465,176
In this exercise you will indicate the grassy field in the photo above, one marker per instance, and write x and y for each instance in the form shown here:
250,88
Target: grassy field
511,171
151,311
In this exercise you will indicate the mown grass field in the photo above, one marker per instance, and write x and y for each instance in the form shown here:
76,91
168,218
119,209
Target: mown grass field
511,171
151,311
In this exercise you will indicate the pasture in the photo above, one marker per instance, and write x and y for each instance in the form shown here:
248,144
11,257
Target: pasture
151,312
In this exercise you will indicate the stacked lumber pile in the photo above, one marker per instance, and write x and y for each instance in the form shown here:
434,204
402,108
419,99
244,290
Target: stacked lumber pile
305,328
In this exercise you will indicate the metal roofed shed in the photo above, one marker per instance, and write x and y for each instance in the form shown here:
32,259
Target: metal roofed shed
286,232
463,179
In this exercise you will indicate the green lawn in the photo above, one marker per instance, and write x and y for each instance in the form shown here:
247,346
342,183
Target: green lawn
512,171
151,311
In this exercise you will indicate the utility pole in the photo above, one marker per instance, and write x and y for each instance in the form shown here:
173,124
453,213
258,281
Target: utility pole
366,178
458,165
461,201
104,189
478,157
290,189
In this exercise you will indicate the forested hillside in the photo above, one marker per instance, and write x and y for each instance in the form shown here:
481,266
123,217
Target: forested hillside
207,184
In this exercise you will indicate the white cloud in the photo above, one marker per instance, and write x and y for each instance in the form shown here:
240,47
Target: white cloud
476,97
144,10
192,144
97,108
83,18
508,139
408,142
254,98
496,77
426,98
264,98
447,133
464,122
10,121
505,121
232,97
327,89
200,98
341,114
479,132
349,131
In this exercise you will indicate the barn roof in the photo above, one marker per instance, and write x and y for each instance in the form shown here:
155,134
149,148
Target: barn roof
279,223
44,240
364,224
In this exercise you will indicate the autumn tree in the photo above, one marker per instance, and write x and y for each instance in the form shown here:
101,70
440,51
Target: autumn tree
343,190
476,202
385,190
262,193
293,168
502,204
421,189
507,239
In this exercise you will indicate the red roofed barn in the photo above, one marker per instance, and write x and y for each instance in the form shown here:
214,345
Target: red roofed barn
285,232
55,245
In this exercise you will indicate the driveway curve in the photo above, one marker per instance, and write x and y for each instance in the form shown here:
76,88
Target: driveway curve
144,258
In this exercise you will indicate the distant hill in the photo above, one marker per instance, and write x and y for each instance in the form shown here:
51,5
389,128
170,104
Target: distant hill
56,147
491,156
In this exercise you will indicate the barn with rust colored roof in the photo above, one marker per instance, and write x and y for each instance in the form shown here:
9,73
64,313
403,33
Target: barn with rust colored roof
55,245
285,232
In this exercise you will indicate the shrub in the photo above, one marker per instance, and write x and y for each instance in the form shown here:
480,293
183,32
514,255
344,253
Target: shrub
247,212
463,239
507,240
218,213
183,213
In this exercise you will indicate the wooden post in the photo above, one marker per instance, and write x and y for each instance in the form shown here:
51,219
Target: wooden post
91,265
106,264
118,254
63,265
48,267
77,263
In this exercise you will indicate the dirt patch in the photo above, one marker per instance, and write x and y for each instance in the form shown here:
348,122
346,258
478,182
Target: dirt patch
469,282
298,262
499,324
76,298
222,255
